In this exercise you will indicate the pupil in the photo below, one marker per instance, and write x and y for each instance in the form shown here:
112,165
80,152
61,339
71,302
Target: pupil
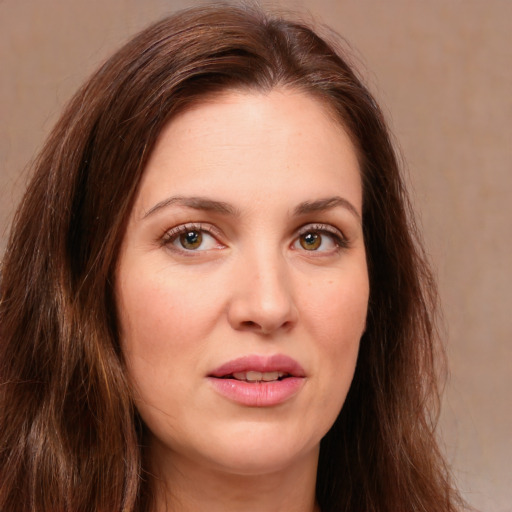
310,241
191,239
310,238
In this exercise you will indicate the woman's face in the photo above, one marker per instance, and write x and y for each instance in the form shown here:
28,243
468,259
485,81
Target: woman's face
242,283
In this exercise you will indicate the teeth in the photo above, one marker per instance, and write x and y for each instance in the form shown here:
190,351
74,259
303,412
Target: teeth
258,376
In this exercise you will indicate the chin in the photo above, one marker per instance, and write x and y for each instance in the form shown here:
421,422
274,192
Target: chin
260,462
258,451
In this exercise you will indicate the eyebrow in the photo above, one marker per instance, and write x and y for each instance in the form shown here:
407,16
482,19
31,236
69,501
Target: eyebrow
197,203
326,204
205,204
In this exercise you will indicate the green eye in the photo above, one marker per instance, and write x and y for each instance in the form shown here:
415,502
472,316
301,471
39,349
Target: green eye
191,239
310,241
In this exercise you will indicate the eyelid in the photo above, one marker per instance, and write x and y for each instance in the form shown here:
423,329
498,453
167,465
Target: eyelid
337,237
170,235
324,228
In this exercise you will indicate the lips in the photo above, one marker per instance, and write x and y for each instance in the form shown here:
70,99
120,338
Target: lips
258,381
262,364
252,376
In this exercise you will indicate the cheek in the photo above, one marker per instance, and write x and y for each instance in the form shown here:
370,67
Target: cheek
162,338
150,321
336,321
158,308
338,308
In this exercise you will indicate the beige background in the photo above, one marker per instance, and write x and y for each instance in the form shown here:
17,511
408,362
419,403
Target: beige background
443,71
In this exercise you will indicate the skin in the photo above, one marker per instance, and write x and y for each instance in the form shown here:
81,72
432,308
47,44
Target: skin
249,288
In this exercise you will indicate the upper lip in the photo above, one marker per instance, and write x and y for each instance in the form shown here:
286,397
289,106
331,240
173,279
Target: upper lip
258,363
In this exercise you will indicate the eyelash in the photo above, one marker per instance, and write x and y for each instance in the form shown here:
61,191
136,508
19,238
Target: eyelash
338,237
170,236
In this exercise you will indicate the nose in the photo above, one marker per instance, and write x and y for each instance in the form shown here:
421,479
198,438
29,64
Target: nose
263,300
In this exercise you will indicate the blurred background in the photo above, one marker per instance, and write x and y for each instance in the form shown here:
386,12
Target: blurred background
442,70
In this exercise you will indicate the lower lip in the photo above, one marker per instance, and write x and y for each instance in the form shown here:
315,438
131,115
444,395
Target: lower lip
258,394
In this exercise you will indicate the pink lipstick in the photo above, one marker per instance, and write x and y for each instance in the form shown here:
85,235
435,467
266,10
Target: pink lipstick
258,381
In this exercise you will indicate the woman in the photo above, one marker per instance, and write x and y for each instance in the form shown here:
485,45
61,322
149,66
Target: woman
213,295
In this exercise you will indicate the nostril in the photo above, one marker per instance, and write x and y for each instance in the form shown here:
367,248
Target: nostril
249,324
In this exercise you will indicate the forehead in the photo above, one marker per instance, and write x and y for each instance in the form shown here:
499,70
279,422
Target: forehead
257,143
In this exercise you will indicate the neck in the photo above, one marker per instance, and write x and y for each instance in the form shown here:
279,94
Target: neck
186,486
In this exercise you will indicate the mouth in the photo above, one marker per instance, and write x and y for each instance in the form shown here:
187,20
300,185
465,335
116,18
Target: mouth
253,376
259,381
256,368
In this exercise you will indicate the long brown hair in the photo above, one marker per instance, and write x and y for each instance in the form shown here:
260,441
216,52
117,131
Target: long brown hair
70,437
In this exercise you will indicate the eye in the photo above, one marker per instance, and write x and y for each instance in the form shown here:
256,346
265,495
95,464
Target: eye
191,238
310,241
322,238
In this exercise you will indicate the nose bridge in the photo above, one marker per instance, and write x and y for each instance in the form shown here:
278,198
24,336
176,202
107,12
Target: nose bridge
263,299
270,280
